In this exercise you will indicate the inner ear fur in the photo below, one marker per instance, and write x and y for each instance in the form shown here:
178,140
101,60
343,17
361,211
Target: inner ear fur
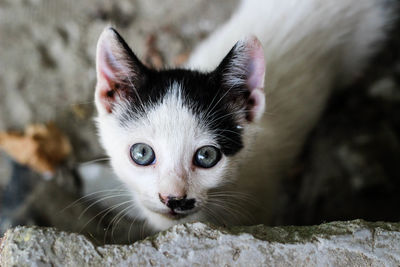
242,74
119,71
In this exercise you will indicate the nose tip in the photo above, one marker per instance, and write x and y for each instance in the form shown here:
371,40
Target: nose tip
165,199
177,202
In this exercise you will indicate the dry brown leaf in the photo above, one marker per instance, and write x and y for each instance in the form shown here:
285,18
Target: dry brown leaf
41,147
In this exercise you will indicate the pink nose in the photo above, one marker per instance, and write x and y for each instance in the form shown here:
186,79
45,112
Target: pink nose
164,199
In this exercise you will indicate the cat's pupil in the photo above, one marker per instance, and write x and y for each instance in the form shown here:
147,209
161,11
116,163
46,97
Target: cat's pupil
143,153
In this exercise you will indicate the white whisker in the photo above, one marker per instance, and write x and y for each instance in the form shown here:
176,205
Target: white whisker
92,195
93,161
99,200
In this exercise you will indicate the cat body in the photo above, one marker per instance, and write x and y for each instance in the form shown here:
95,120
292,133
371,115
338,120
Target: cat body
235,115
310,47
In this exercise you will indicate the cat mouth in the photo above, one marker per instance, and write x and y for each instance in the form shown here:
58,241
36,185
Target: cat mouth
174,214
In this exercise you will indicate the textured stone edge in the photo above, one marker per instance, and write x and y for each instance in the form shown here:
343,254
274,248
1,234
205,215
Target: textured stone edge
301,234
1,246
23,246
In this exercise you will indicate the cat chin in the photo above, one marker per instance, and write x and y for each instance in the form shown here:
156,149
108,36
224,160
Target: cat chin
161,222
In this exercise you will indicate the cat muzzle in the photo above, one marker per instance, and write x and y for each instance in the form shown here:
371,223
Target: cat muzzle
178,205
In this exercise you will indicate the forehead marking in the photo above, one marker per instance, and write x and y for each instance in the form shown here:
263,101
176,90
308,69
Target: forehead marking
183,103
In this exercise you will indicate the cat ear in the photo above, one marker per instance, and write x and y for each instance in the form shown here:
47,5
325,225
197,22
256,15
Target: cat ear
243,71
119,71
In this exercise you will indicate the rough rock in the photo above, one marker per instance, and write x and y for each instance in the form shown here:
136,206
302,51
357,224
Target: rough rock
352,243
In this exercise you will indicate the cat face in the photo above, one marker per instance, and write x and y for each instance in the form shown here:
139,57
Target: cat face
173,135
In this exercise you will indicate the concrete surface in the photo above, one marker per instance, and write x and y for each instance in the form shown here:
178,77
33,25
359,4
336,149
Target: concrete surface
352,243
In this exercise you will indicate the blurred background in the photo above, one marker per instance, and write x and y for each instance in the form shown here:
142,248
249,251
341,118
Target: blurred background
349,167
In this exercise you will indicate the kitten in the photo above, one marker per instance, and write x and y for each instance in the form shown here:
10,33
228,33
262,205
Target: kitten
176,135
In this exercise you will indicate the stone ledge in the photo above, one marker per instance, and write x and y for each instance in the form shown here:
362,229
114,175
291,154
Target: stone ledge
352,243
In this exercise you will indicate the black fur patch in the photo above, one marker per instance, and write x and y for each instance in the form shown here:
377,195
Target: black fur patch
203,93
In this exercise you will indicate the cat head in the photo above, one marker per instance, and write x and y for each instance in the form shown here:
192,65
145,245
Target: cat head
173,135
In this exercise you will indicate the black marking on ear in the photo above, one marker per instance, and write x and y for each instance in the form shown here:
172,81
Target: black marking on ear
110,94
127,49
241,73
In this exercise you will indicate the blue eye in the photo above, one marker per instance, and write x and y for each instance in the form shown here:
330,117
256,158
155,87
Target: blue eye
142,154
207,156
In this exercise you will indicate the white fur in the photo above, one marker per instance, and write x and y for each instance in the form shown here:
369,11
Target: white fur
175,134
309,46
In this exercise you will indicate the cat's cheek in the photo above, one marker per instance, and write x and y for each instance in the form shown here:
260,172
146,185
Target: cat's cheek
211,178
137,179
